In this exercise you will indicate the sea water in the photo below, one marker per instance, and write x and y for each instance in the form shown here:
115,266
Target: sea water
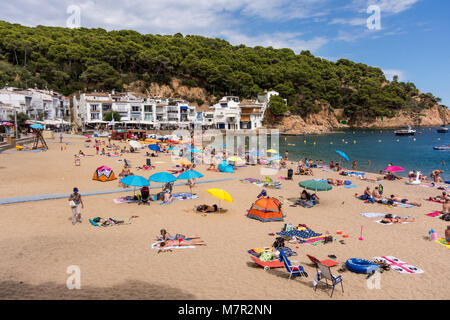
380,147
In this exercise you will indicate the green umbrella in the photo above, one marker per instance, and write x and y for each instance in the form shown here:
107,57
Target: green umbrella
315,185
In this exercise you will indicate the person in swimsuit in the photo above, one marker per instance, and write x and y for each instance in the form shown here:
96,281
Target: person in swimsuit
388,219
405,201
166,236
376,195
181,243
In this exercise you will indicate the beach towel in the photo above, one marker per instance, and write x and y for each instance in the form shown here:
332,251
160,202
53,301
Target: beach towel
350,186
443,242
125,200
399,266
172,247
435,214
372,214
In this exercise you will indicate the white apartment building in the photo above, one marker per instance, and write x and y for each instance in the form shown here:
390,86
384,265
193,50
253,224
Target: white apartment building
148,112
47,107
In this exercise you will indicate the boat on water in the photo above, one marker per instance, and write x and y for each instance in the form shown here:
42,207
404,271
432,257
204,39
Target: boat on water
442,129
442,147
405,132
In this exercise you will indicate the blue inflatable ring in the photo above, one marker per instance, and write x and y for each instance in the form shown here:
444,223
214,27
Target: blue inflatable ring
361,265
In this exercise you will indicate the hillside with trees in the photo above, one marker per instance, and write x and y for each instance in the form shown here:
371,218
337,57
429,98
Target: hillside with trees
72,60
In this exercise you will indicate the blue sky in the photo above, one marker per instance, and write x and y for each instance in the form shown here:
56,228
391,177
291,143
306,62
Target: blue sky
413,42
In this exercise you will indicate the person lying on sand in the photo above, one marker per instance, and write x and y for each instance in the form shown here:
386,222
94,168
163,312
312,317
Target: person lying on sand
441,198
180,243
405,201
390,219
376,195
446,206
335,182
165,236
204,208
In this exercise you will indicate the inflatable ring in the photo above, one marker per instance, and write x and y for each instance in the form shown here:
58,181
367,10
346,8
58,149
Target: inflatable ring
361,265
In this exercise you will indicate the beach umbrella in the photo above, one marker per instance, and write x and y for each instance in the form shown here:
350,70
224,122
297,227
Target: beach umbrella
220,194
272,151
342,154
184,162
172,148
393,169
37,126
135,181
162,177
255,153
315,185
188,175
135,144
6,124
194,151
154,147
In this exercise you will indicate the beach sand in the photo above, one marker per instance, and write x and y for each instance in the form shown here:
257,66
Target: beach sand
38,242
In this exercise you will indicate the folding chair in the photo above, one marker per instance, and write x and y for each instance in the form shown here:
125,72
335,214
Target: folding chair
325,273
293,267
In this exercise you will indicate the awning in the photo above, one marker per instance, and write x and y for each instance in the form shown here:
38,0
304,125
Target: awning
184,108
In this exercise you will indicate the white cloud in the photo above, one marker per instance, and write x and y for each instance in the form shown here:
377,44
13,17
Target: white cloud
350,22
277,40
390,73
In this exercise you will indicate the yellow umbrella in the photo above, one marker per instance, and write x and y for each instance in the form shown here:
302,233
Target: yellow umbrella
272,151
220,194
184,162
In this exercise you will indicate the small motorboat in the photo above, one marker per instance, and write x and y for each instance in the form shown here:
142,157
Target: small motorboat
405,132
442,129
442,148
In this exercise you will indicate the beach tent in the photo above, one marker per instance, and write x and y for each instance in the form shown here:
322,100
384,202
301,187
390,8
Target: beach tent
265,210
226,167
104,174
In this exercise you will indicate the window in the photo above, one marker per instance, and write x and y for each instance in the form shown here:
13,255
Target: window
136,109
94,107
148,108
95,116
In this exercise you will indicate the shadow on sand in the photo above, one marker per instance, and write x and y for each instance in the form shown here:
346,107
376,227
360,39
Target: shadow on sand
130,290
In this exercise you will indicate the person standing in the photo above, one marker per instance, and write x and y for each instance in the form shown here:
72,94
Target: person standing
354,165
60,138
76,206
286,156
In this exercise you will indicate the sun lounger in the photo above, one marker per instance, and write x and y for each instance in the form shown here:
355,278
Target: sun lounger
327,262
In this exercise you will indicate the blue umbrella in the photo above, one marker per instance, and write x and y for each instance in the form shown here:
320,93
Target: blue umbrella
342,154
190,174
162,177
194,151
37,126
172,148
135,181
226,167
154,147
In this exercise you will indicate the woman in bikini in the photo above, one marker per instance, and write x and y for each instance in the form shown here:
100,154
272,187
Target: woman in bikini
405,201
180,243
165,236
396,219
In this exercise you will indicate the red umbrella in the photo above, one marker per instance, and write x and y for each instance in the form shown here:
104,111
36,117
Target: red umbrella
6,124
394,169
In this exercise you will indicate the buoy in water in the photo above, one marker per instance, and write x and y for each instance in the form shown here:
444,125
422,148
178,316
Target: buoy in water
354,141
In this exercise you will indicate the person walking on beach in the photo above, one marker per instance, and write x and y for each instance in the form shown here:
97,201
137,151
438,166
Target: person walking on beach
354,165
60,138
77,205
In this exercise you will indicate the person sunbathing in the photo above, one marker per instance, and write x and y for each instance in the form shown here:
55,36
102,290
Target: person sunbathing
335,182
405,201
180,243
167,197
441,198
204,208
390,219
166,236
446,207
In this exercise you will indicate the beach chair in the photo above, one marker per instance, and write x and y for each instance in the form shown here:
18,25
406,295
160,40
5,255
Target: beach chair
293,267
145,196
325,273
327,262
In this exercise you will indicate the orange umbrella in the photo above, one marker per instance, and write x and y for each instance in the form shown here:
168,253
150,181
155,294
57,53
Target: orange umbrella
184,162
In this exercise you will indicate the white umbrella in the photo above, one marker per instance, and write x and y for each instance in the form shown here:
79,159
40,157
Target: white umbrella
135,144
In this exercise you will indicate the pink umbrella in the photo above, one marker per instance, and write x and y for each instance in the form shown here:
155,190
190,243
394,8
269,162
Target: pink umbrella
394,169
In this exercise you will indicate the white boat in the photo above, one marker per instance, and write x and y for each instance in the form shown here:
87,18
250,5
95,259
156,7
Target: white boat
405,132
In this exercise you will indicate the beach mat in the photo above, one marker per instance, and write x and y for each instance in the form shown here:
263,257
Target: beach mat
435,214
399,266
443,242
372,214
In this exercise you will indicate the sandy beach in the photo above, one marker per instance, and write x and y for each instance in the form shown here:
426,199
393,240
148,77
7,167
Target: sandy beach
38,241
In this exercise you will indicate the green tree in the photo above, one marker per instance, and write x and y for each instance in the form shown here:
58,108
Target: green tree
277,106
21,119
108,116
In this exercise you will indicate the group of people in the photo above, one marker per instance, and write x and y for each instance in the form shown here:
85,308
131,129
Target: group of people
376,196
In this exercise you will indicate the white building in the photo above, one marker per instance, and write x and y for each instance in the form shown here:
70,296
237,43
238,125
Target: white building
48,107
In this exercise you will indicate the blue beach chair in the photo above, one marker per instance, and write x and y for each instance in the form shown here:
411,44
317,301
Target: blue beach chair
293,267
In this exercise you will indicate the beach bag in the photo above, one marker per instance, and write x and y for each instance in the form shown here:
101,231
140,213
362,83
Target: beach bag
347,182
266,256
72,204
